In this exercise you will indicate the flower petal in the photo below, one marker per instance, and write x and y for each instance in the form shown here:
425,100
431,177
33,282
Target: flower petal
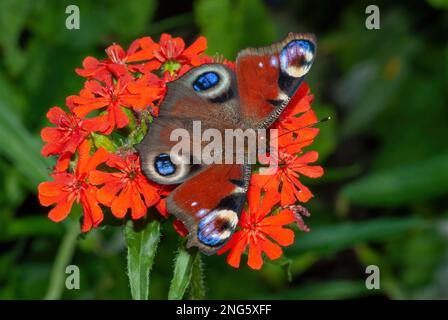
237,244
61,210
272,250
138,208
282,236
122,202
280,219
255,261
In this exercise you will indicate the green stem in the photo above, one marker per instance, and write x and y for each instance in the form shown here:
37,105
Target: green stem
63,258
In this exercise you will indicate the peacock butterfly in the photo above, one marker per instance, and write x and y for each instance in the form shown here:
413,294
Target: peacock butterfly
210,197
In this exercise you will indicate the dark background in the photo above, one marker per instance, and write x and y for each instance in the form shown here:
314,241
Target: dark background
382,199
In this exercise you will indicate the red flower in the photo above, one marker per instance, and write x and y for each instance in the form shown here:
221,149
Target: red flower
260,231
177,224
148,88
113,96
294,124
294,133
285,179
169,50
124,189
68,187
69,133
116,63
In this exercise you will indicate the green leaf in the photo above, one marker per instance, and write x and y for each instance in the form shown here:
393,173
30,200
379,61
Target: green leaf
39,226
438,4
142,246
214,16
197,284
182,272
97,19
22,148
102,141
141,12
11,26
336,237
406,184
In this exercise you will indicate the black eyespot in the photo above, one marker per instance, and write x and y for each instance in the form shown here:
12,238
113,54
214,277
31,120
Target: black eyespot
163,165
206,81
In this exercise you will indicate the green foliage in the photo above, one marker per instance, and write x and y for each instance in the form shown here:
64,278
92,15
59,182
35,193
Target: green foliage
331,238
183,269
408,183
142,247
381,201
221,23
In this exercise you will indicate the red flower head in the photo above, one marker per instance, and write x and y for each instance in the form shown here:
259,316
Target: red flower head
69,133
116,63
114,96
260,231
125,188
125,79
285,179
170,51
294,133
147,89
68,187
295,123
177,224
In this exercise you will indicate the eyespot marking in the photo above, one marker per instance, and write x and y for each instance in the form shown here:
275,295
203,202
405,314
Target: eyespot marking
163,165
216,227
296,57
206,81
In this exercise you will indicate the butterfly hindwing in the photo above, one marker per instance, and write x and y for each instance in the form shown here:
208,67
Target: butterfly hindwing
210,203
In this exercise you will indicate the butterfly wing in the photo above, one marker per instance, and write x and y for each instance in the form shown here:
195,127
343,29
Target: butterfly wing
268,77
210,203
206,94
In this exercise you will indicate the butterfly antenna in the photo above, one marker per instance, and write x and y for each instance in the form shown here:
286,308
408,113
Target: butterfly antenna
308,126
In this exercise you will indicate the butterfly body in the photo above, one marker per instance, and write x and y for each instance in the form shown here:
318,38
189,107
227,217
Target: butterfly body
210,197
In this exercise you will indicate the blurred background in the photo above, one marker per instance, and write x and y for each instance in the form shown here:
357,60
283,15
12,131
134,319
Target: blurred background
383,198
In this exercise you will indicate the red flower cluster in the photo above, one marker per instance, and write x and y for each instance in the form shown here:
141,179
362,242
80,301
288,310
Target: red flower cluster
124,80
102,171
257,229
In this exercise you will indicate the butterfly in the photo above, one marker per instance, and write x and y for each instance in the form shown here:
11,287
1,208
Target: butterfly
209,198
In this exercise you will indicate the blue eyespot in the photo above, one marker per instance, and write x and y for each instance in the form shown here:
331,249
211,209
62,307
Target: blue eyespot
208,234
297,53
163,165
206,81
216,227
